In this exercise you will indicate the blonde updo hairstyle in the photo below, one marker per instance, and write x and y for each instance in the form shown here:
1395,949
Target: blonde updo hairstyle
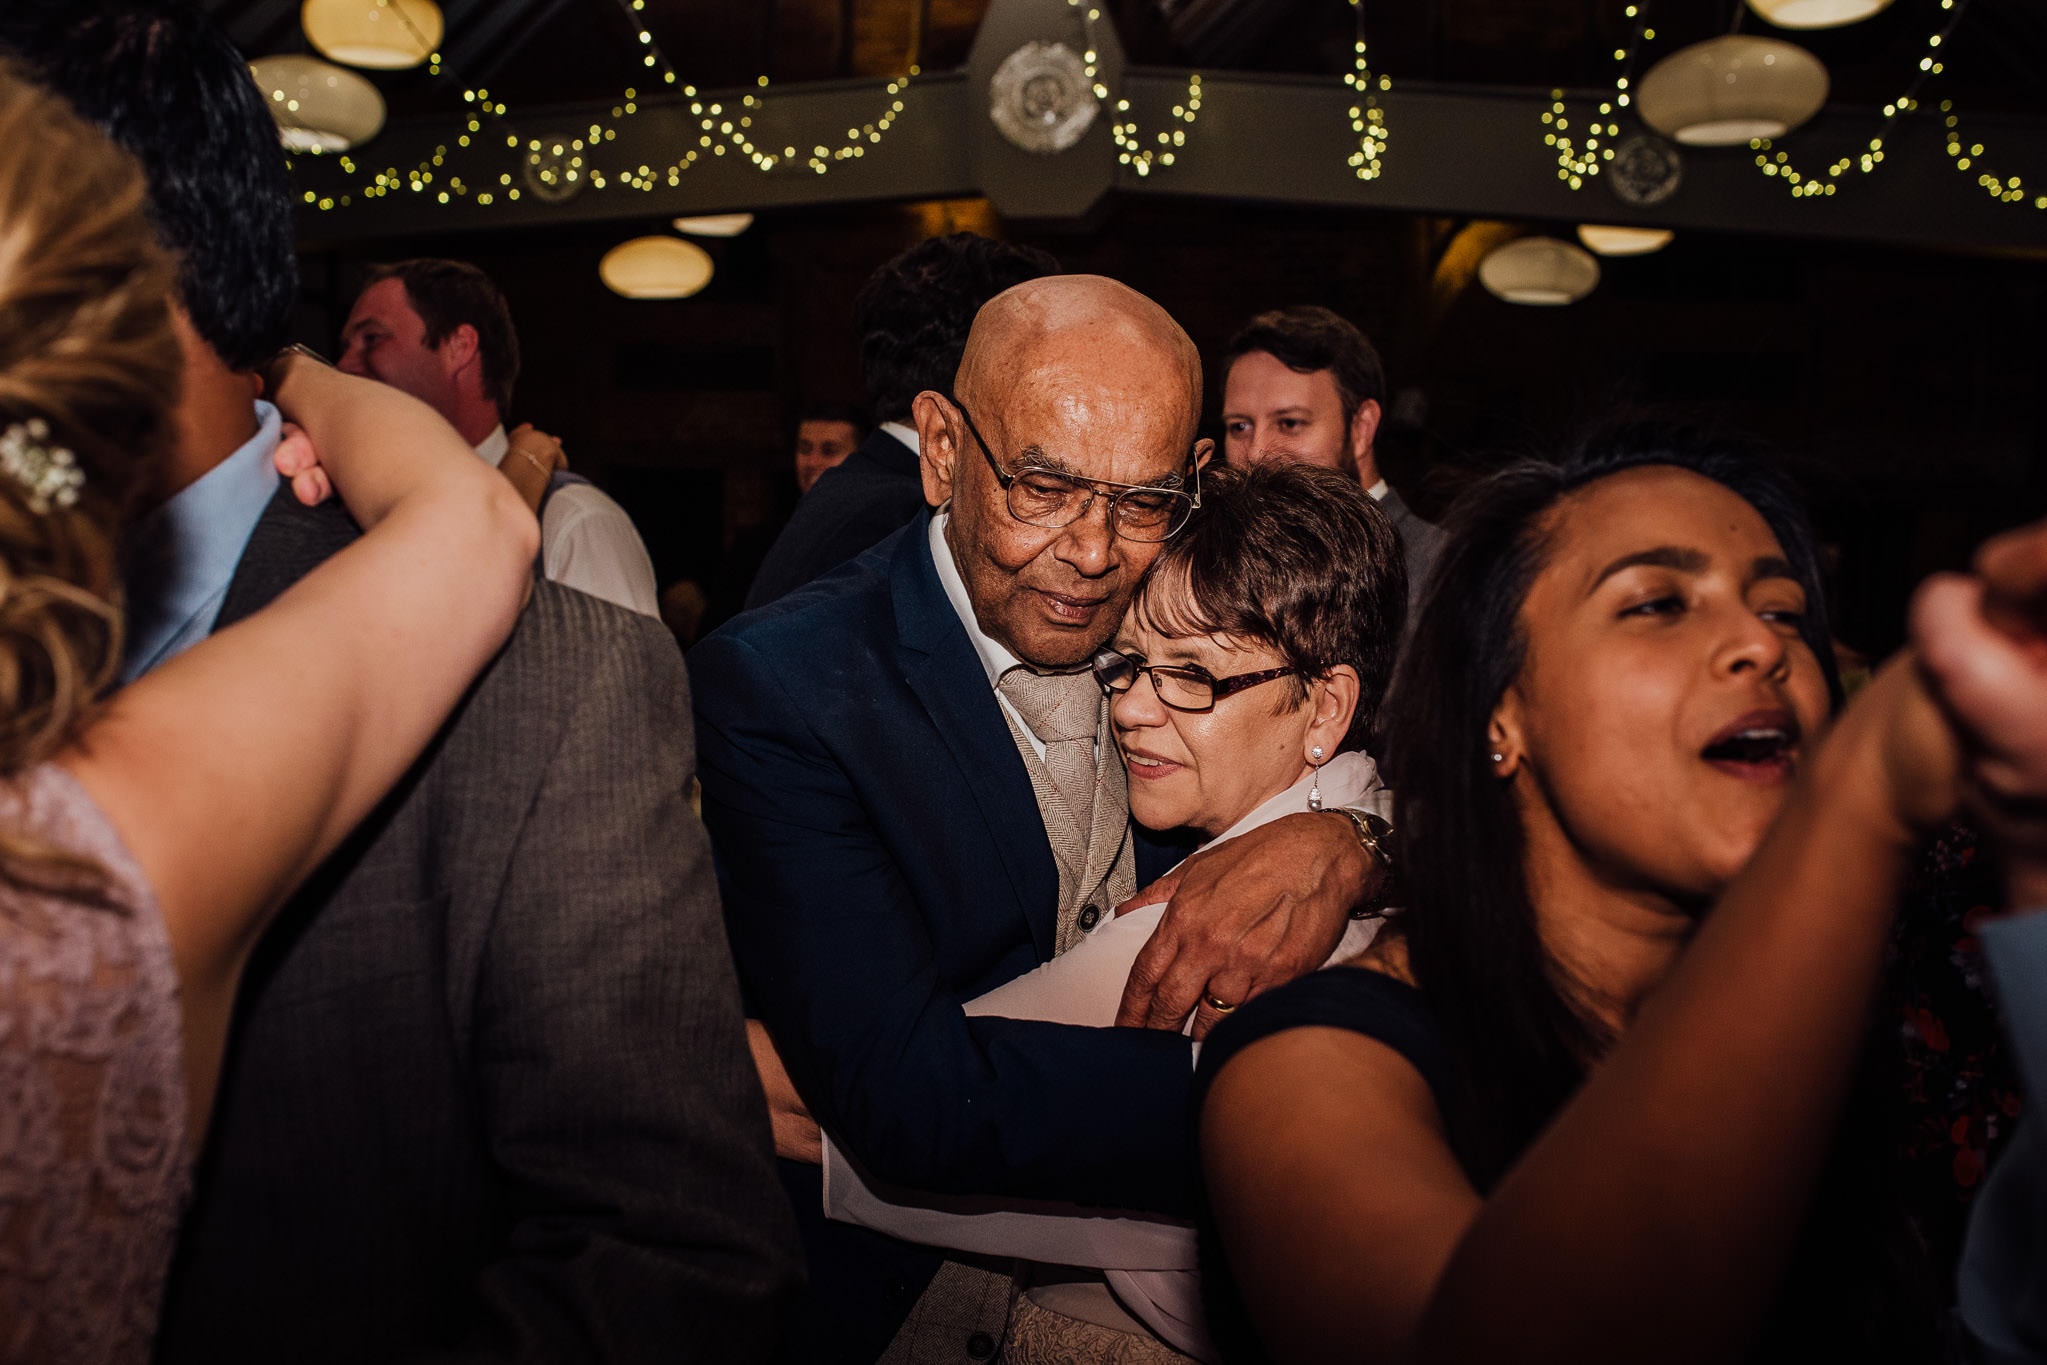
87,353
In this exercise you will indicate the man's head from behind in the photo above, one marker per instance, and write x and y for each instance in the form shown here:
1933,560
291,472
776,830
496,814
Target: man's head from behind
167,84
1072,382
1302,384
826,434
442,332
913,314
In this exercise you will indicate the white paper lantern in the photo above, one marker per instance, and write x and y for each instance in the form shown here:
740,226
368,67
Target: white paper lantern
715,225
1725,91
1539,270
319,107
384,35
1817,13
656,268
1609,240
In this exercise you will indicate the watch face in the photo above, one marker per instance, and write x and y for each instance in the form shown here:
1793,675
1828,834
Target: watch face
1645,170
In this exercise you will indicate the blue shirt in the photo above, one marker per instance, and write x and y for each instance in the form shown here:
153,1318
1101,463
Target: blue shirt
2001,1295
182,556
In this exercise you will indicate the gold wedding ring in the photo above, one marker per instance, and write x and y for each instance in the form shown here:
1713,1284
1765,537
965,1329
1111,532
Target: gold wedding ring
1215,1004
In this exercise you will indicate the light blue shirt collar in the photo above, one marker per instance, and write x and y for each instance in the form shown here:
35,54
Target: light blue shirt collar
182,556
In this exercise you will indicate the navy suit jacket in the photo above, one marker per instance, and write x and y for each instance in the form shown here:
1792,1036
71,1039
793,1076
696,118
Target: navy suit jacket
868,496
883,860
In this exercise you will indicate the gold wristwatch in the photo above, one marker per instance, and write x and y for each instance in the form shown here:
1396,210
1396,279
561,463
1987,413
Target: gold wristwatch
1375,836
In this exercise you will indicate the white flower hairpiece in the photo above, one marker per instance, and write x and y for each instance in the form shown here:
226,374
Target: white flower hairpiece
49,473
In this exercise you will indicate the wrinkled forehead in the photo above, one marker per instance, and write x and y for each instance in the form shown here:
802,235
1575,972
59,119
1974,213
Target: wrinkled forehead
1133,423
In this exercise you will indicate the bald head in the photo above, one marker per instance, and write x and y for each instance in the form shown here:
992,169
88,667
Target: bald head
1064,324
1073,376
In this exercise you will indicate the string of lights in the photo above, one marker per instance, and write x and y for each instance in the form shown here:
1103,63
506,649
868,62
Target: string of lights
2006,189
1578,163
559,166
1367,119
1131,150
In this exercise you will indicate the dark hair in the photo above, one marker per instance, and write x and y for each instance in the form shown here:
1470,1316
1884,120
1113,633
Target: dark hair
449,294
1297,557
1308,338
826,410
1518,1045
165,82
913,314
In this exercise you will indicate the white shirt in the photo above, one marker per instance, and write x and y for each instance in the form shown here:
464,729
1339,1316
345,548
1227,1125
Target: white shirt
1150,1260
587,542
1378,491
905,433
995,657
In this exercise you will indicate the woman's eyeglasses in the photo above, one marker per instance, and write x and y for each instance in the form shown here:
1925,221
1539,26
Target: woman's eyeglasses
1187,687
1047,498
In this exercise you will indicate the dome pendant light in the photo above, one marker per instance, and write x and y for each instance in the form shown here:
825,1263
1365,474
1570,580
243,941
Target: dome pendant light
1817,13
1539,270
319,107
1726,91
1607,240
715,225
383,35
655,268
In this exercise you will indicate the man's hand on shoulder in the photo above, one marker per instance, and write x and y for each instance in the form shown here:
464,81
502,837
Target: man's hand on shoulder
1250,914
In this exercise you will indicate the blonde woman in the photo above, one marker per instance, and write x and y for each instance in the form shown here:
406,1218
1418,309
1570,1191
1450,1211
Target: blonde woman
145,839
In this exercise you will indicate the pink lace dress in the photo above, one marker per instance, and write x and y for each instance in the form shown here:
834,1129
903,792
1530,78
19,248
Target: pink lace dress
94,1169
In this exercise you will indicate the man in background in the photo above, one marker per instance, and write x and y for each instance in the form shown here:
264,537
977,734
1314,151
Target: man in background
1304,384
912,317
487,1095
442,332
825,435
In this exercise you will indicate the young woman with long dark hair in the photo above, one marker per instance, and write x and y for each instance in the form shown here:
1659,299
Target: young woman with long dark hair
1563,1112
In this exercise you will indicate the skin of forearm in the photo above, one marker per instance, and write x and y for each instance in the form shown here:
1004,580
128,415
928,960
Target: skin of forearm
351,422
1656,1215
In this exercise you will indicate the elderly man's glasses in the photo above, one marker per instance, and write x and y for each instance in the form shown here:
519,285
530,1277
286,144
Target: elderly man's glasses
1183,687
1045,497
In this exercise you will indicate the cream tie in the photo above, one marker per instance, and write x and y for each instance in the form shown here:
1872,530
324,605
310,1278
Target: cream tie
1063,710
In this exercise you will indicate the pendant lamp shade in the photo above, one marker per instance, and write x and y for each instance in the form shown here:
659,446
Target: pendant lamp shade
383,35
655,268
1539,270
1725,91
319,107
1817,13
715,225
1607,240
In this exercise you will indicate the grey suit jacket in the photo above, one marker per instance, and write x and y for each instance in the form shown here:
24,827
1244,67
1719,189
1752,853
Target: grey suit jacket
1420,543
488,1094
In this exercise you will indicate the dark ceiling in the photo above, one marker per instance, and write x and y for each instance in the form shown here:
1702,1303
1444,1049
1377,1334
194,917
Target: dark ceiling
550,51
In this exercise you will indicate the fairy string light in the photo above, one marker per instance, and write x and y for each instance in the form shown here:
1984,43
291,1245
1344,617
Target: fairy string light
1131,150
1367,119
1576,162
566,161
2006,189
2010,189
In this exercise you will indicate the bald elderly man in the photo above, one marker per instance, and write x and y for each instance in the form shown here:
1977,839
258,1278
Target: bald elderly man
910,782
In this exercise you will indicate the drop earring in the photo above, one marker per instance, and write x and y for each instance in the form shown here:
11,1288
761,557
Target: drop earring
1315,786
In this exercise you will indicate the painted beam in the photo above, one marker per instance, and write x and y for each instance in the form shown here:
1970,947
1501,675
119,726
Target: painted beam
1452,150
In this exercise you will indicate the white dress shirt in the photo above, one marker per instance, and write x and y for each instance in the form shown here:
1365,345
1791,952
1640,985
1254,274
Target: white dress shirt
587,542
1149,1259
995,657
